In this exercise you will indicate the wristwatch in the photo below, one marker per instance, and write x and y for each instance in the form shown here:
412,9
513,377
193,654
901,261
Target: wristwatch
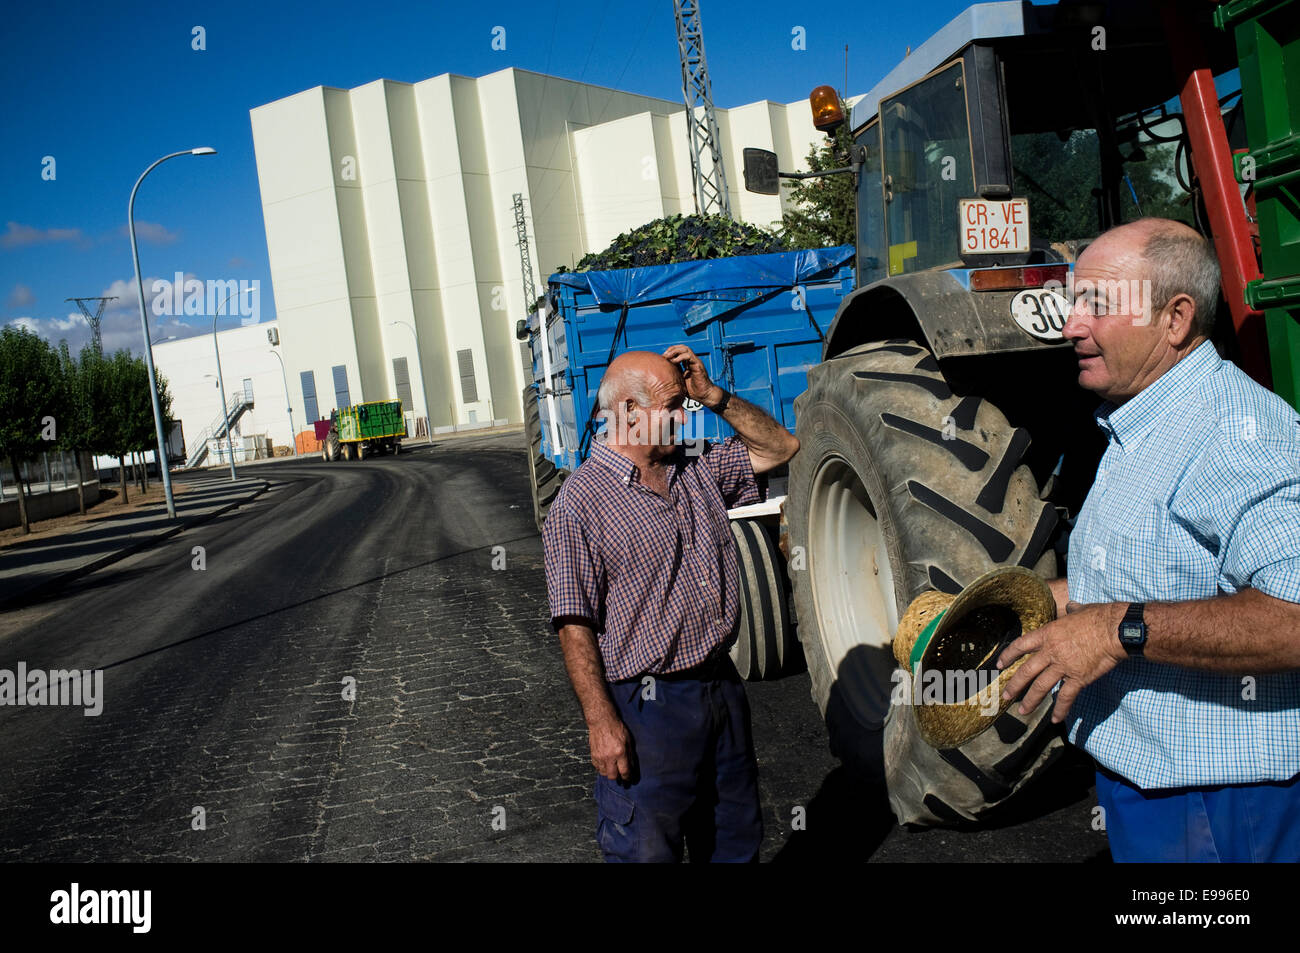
1133,630
722,404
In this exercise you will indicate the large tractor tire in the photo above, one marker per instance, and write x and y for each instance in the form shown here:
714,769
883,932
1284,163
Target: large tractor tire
330,449
766,646
544,477
901,486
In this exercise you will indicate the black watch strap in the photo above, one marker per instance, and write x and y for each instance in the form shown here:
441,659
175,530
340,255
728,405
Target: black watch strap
722,404
1133,630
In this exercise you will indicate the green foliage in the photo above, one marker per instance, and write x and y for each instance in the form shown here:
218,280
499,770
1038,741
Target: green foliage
825,209
31,389
682,238
119,410
1059,177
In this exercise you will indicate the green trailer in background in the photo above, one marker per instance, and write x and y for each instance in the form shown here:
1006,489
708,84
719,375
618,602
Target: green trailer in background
361,430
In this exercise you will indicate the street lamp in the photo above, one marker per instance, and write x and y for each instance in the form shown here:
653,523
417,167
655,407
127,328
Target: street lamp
293,438
163,469
424,394
221,382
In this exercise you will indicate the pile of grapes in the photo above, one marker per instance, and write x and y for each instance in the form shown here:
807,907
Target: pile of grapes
682,238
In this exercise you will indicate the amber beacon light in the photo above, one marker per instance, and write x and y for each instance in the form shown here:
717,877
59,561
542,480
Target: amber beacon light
826,111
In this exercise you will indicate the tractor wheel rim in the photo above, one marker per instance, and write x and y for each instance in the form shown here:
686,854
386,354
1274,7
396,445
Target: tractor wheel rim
853,587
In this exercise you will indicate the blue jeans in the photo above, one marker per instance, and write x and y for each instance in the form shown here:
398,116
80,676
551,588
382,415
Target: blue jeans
1234,823
694,776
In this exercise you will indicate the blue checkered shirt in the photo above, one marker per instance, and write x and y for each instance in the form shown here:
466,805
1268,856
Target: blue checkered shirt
1197,494
656,579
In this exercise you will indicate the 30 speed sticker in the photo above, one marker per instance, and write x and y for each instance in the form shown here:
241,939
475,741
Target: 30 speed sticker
1041,313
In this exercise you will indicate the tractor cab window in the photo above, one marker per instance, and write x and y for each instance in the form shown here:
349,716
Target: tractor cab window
1060,175
927,169
873,255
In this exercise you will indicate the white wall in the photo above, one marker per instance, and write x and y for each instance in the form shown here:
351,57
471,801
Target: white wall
245,352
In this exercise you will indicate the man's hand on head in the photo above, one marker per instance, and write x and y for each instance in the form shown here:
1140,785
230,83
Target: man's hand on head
698,384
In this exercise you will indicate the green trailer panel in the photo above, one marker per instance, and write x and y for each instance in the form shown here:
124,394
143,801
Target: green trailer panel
1268,51
371,421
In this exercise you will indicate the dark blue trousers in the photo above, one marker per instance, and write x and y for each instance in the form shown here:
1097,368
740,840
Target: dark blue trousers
694,776
1235,823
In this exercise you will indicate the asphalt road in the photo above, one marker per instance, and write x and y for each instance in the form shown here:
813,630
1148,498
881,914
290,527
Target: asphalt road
229,731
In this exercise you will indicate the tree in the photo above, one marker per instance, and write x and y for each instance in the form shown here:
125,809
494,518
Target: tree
74,425
123,410
31,402
825,209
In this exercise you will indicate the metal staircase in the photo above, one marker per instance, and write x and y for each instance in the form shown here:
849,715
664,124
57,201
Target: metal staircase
198,448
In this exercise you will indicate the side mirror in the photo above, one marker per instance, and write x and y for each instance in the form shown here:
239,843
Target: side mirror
761,173
521,329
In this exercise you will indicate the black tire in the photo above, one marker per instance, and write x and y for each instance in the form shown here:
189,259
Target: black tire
766,646
346,451
360,450
901,486
544,477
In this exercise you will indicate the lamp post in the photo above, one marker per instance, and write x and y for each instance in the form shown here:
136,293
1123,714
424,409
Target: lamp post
163,469
221,382
293,438
220,397
424,394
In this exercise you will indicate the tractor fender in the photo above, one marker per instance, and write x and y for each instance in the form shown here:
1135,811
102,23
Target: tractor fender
935,308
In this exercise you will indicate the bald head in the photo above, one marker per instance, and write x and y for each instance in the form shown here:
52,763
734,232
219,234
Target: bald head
635,376
1178,262
640,398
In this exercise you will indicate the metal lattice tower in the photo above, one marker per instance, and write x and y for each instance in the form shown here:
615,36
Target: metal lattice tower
525,259
530,289
702,126
93,319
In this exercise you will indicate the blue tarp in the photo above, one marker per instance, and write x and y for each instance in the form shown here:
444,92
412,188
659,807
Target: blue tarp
633,286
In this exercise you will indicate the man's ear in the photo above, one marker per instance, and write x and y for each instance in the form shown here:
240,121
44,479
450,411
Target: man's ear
1182,319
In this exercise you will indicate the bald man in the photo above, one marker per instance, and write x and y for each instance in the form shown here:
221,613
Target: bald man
643,582
1181,652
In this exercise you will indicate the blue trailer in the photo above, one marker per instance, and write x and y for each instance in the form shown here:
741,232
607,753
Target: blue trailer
757,322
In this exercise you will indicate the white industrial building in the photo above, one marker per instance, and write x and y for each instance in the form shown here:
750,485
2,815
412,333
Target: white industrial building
390,222
250,370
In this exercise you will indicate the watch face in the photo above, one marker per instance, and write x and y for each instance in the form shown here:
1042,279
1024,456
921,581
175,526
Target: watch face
1131,631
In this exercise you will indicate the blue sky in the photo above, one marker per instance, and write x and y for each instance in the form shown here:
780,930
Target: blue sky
105,89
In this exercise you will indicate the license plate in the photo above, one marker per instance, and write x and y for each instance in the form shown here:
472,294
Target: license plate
993,228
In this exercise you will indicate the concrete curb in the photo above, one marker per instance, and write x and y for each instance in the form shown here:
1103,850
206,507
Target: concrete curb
50,585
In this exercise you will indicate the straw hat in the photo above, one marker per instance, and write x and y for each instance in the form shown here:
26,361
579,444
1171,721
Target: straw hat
951,646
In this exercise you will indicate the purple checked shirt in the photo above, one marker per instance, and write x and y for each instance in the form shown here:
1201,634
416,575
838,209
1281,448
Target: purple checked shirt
656,579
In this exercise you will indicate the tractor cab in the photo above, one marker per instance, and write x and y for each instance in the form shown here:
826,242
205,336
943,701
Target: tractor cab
1017,131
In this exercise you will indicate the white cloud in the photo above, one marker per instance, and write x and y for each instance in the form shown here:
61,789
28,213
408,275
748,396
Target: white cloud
20,297
29,324
151,232
19,236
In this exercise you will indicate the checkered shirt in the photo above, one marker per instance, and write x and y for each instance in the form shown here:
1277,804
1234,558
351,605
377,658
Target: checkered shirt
1197,494
657,580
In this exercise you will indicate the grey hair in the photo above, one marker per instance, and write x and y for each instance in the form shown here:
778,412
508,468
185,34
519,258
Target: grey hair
619,386
1179,263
